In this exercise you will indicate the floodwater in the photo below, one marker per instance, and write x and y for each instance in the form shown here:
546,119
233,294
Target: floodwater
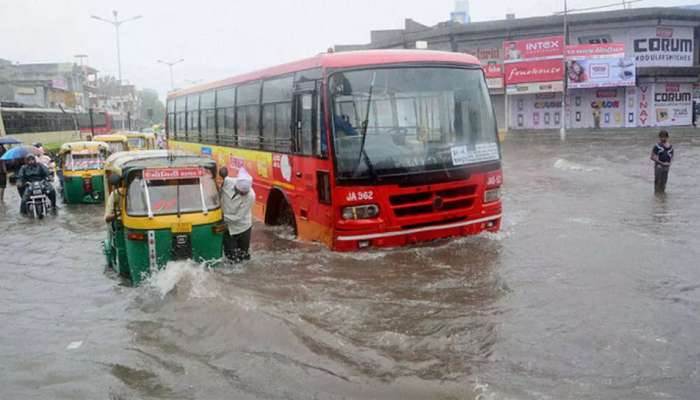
590,291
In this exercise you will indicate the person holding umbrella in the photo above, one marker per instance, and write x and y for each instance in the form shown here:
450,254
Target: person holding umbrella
3,174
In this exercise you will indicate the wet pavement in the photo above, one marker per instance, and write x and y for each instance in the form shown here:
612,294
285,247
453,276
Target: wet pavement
590,291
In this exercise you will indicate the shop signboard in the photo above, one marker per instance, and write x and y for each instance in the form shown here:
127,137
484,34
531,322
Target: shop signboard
599,65
551,47
494,83
534,71
537,60
541,87
489,54
662,46
650,46
645,94
673,104
59,83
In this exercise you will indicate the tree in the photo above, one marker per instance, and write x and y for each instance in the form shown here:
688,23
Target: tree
151,109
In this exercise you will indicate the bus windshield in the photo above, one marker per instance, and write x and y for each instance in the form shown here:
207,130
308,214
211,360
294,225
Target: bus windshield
389,121
83,162
171,196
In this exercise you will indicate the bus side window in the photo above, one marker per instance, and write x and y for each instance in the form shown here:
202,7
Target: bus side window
305,128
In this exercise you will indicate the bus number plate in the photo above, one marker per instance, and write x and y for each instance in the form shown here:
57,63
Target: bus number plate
360,196
181,228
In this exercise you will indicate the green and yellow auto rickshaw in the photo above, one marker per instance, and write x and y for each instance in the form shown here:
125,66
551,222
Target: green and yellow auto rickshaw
166,207
116,142
141,140
82,171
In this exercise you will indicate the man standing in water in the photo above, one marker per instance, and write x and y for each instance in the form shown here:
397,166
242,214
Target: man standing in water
662,155
237,198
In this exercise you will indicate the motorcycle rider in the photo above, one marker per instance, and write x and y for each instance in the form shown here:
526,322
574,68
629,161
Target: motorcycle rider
32,171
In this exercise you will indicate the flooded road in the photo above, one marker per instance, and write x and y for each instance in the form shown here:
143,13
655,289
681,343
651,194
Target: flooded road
591,290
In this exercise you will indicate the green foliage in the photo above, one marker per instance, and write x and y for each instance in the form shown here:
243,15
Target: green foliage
150,101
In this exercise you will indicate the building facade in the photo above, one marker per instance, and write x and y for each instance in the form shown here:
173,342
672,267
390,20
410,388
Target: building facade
69,86
614,69
50,85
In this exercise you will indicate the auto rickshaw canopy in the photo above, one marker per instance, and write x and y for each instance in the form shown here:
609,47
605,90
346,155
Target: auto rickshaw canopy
112,137
123,162
83,147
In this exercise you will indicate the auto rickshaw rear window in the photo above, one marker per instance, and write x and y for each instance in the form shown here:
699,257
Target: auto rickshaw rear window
170,196
83,162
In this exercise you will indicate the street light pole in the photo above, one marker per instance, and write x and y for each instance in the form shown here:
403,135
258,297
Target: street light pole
170,66
562,131
117,23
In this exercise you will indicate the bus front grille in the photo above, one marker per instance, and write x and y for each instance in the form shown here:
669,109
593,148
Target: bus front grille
421,203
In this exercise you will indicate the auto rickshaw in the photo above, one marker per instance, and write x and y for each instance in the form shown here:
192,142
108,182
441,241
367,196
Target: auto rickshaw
82,171
167,208
116,142
141,140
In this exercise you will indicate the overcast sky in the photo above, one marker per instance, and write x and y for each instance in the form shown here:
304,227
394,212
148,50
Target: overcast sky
225,37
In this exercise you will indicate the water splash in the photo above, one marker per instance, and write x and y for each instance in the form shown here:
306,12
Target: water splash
195,277
566,165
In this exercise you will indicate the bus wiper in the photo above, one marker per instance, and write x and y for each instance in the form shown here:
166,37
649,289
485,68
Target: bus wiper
365,123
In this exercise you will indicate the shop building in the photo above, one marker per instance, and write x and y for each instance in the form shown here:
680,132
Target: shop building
640,65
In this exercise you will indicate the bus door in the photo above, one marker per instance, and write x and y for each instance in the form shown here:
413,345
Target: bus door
303,162
310,166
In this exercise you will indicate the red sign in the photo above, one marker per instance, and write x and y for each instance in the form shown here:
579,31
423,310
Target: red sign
533,49
493,70
534,71
152,174
604,50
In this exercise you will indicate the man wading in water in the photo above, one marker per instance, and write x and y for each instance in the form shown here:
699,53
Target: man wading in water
237,199
662,155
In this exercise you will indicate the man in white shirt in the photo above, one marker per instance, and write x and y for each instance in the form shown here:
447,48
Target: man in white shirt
237,199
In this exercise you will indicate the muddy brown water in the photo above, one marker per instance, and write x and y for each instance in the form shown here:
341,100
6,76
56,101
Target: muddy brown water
590,291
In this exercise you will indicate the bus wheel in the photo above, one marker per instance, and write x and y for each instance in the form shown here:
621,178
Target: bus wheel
279,212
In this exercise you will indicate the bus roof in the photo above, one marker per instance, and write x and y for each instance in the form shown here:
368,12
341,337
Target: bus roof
339,60
35,109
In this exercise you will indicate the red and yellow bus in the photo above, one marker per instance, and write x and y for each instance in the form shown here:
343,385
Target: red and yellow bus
359,149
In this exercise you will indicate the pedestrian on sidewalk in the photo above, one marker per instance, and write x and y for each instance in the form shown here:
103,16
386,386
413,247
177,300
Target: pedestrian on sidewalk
237,198
662,155
596,117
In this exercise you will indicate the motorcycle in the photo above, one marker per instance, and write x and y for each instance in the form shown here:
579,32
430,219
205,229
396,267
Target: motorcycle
37,198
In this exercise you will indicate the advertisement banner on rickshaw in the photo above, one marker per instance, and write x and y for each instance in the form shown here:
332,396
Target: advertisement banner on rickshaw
153,174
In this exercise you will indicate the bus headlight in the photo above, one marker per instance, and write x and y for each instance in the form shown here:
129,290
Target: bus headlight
360,212
492,195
